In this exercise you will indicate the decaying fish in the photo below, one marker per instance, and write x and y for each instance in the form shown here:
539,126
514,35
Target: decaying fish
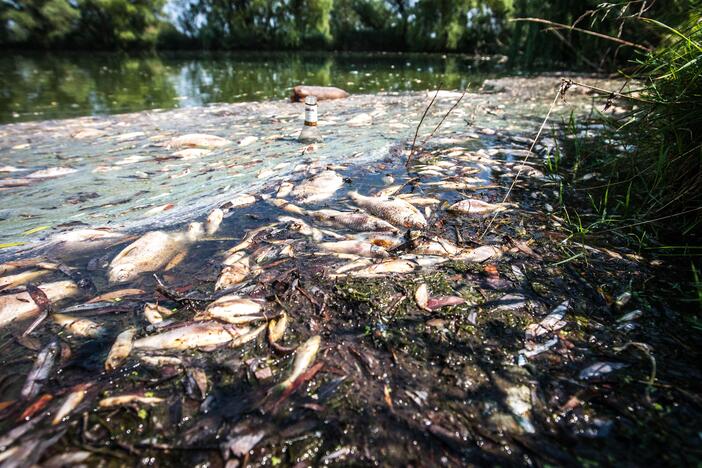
393,210
284,189
552,322
421,296
318,188
480,254
304,357
248,239
40,370
355,247
72,400
435,246
214,219
356,221
18,306
246,336
240,201
12,281
233,309
198,140
302,227
122,400
233,273
161,361
155,313
151,252
83,240
384,268
79,326
120,349
276,328
287,206
191,336
477,207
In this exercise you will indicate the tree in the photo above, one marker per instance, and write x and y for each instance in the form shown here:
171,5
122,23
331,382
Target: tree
37,22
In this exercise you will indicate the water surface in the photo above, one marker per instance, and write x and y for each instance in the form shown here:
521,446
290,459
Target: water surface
38,87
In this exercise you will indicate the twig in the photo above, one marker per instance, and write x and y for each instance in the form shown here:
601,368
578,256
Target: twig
565,84
585,31
414,141
444,118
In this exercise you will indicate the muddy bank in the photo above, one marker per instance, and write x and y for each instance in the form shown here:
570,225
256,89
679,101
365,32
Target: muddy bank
468,331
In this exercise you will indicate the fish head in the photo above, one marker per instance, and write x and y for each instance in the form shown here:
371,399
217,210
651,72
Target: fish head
122,273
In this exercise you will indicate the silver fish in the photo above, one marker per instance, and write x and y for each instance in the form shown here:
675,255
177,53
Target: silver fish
40,371
394,210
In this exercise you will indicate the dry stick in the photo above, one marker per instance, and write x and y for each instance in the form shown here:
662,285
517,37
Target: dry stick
585,31
444,118
561,90
409,158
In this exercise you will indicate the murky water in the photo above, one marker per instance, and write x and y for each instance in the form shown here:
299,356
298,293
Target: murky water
37,87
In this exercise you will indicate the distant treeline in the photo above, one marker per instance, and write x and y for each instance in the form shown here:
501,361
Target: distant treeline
468,26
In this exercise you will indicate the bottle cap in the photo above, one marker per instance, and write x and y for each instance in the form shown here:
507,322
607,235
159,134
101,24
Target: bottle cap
311,100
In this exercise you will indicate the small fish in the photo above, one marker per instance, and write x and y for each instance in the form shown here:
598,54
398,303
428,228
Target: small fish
276,328
355,247
70,402
302,227
75,458
417,200
304,357
240,201
444,301
161,361
190,336
388,191
393,210
233,274
284,189
122,400
40,370
12,281
19,306
356,221
599,369
246,336
287,206
155,313
383,268
435,246
421,296
479,254
552,322
119,294
79,326
633,315
214,219
233,309
120,349
318,188
248,239
198,140
477,207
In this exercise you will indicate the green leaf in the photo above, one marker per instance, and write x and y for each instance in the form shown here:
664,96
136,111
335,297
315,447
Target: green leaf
10,244
36,229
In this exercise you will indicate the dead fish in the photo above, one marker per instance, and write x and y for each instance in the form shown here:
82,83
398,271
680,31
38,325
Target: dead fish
83,240
75,458
276,328
233,309
435,246
599,369
386,267
246,141
355,247
70,402
317,188
421,296
511,302
120,349
552,322
394,210
12,281
284,189
388,191
480,254
633,315
287,206
233,274
190,336
381,239
246,336
240,201
536,350
51,173
214,219
304,357
425,261
444,301
155,313
151,252
116,295
352,220
198,140
477,207
161,361
417,200
20,305
358,263
249,238
302,227
40,370
122,400
79,326
196,383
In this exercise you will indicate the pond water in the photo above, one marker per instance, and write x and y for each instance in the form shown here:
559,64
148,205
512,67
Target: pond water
49,86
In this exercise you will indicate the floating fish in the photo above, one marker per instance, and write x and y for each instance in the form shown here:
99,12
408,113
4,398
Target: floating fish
435,246
233,309
477,207
480,254
79,326
356,221
70,403
384,268
214,219
393,210
421,296
318,188
355,247
191,336
233,273
20,305
198,140
304,357
12,281
120,349
40,370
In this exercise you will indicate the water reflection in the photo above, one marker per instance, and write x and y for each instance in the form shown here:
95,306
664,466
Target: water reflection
35,87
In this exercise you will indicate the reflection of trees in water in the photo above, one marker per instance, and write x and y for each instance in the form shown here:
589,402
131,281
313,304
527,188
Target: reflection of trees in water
70,85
